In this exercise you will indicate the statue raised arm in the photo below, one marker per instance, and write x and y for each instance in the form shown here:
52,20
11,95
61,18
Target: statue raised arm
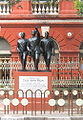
34,47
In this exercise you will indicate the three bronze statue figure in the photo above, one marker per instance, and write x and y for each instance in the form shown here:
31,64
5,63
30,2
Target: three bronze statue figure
34,47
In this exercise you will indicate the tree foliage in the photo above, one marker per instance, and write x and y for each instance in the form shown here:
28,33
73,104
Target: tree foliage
11,2
79,6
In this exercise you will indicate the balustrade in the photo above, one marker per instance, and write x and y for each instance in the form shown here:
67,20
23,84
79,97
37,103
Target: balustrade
4,8
38,8
44,8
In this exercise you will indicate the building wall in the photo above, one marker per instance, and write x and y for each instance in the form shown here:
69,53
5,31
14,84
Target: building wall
66,28
68,45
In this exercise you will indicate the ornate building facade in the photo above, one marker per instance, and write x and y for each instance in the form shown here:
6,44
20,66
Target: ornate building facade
65,28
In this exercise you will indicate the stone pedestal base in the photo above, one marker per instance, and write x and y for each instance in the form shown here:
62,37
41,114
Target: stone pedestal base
40,80
37,84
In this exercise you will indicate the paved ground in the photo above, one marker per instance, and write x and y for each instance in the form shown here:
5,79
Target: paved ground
56,116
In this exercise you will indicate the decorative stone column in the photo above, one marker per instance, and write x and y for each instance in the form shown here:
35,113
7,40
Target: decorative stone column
22,7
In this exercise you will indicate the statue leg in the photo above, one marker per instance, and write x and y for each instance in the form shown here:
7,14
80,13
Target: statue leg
45,58
24,61
36,61
21,59
48,59
33,56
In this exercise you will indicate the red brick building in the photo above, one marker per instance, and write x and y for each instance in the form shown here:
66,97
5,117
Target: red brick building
62,22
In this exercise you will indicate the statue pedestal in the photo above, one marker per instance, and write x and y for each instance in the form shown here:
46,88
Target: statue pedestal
25,80
34,81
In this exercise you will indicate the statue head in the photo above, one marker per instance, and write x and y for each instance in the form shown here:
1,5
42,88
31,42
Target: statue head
46,34
34,32
21,35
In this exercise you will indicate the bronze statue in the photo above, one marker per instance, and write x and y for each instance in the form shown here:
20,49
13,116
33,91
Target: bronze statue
47,46
22,49
34,47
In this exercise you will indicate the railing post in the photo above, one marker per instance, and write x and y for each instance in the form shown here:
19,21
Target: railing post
4,8
8,8
0,9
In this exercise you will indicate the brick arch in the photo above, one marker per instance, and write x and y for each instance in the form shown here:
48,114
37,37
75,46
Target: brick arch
10,38
58,37
4,45
78,39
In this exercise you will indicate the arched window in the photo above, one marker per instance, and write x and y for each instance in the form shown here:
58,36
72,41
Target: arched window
81,55
4,62
4,48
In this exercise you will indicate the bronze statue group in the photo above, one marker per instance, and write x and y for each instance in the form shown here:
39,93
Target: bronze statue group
34,47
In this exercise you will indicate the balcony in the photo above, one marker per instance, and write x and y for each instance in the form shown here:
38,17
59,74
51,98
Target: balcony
44,8
4,8
38,8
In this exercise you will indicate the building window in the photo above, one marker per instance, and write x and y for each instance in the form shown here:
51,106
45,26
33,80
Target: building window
4,62
81,56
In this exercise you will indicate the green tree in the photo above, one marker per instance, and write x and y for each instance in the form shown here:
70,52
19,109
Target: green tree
79,6
11,2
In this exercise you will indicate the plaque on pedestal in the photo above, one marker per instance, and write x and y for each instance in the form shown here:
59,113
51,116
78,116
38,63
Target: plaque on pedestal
32,80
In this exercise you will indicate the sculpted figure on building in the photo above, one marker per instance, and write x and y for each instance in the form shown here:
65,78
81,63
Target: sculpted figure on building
47,46
22,49
34,47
